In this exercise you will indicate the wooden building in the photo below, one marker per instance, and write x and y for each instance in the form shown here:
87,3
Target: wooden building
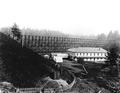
94,54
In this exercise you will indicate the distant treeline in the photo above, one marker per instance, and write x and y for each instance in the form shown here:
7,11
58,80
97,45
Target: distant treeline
45,41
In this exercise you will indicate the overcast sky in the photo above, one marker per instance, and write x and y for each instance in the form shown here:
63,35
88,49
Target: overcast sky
81,17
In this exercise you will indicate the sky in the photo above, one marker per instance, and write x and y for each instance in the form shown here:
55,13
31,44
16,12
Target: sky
78,17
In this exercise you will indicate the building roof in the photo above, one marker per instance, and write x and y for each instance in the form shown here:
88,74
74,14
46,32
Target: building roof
87,49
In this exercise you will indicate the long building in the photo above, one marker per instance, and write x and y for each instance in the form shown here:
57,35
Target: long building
89,53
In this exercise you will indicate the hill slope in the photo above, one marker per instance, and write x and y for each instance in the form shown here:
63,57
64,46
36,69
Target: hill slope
20,65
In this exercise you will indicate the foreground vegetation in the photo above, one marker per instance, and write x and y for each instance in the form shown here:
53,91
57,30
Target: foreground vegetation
20,65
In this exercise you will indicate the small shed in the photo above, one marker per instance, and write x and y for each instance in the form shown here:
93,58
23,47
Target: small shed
58,59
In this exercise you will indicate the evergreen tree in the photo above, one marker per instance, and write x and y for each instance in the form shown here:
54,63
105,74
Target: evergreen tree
101,37
113,54
112,60
16,32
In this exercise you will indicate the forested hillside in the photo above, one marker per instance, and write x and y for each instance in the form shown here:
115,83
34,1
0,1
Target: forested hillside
19,65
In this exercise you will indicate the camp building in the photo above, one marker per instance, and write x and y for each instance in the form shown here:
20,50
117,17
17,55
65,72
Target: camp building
94,54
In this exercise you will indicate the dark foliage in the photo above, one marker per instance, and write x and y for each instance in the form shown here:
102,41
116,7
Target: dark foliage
113,54
20,65
81,61
16,31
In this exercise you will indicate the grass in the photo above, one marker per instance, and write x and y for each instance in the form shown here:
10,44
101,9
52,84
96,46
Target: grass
73,66
93,70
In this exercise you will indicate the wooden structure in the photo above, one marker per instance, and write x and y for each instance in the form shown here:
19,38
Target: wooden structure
48,44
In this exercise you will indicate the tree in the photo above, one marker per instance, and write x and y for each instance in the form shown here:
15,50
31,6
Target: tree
113,36
113,54
101,37
112,59
110,35
16,32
